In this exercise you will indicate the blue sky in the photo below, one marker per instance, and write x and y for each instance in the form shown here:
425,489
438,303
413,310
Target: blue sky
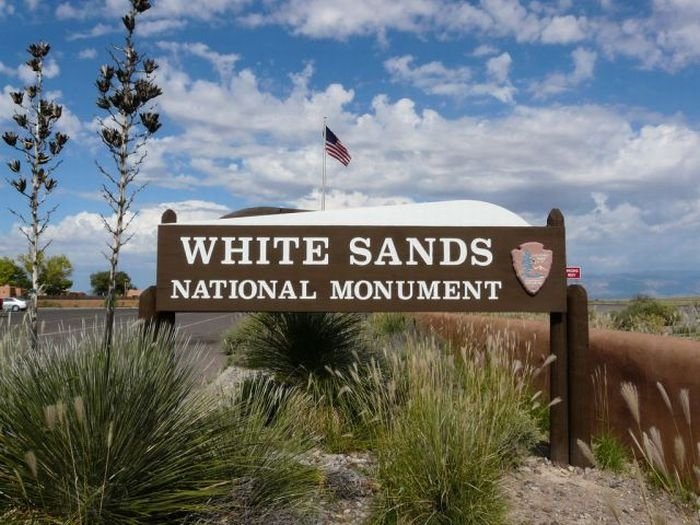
590,106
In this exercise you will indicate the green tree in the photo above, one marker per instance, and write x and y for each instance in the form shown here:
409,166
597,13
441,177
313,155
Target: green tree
13,274
38,146
126,91
54,273
99,282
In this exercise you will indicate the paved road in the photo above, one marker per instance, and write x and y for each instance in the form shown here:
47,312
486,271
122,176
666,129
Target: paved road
204,330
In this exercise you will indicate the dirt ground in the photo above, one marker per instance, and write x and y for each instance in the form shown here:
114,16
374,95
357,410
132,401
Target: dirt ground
540,493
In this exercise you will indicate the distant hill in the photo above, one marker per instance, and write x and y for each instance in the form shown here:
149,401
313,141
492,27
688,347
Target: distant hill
653,283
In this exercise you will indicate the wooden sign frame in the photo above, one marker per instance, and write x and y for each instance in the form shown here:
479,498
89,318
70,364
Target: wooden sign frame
567,306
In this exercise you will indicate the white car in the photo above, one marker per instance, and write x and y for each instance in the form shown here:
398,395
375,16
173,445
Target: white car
12,304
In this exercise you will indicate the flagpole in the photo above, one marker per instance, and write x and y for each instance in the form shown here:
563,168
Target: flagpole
323,177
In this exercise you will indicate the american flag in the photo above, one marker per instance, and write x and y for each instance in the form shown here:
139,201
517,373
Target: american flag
336,149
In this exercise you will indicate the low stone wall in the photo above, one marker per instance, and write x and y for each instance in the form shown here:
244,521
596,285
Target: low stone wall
615,357
90,302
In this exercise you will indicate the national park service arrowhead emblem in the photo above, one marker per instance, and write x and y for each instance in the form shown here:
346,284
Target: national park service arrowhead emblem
532,264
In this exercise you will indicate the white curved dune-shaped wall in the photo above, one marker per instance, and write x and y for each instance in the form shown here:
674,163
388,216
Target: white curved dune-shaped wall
446,213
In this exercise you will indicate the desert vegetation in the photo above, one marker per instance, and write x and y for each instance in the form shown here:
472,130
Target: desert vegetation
443,423
645,314
136,439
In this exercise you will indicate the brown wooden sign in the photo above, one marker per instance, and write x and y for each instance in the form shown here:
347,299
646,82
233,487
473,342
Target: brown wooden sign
226,268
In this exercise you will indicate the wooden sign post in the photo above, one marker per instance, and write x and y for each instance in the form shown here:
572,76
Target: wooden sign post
234,266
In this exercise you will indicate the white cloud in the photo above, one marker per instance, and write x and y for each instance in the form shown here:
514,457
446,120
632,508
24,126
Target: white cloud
32,4
222,63
67,11
6,8
96,31
436,79
25,73
87,54
614,238
337,19
165,15
499,67
485,50
5,70
83,238
157,27
669,38
51,70
239,139
583,68
564,30
433,77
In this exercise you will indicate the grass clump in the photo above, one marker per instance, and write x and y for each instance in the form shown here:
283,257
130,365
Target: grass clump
609,453
265,422
677,471
444,429
388,324
133,440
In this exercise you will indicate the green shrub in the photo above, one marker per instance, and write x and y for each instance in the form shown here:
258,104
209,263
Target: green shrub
388,323
140,444
85,446
293,346
610,453
265,422
645,314
444,431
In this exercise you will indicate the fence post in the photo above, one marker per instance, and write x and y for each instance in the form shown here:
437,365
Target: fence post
148,311
558,379
580,408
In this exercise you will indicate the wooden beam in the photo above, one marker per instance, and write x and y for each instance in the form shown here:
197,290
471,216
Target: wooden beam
579,377
558,379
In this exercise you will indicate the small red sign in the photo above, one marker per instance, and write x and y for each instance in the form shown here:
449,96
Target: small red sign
573,272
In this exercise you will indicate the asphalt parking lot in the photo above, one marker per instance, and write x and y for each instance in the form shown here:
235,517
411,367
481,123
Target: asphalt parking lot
204,330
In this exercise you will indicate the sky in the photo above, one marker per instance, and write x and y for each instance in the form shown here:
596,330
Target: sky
589,106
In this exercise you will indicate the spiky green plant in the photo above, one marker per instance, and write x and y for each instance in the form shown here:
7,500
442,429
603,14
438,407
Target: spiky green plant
145,444
76,449
265,421
294,345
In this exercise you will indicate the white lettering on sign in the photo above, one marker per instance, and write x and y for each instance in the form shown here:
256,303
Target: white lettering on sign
316,249
247,289
455,252
313,251
364,290
237,250
199,249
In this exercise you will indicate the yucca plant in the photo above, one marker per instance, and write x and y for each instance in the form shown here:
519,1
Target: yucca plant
293,345
126,90
144,448
38,145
